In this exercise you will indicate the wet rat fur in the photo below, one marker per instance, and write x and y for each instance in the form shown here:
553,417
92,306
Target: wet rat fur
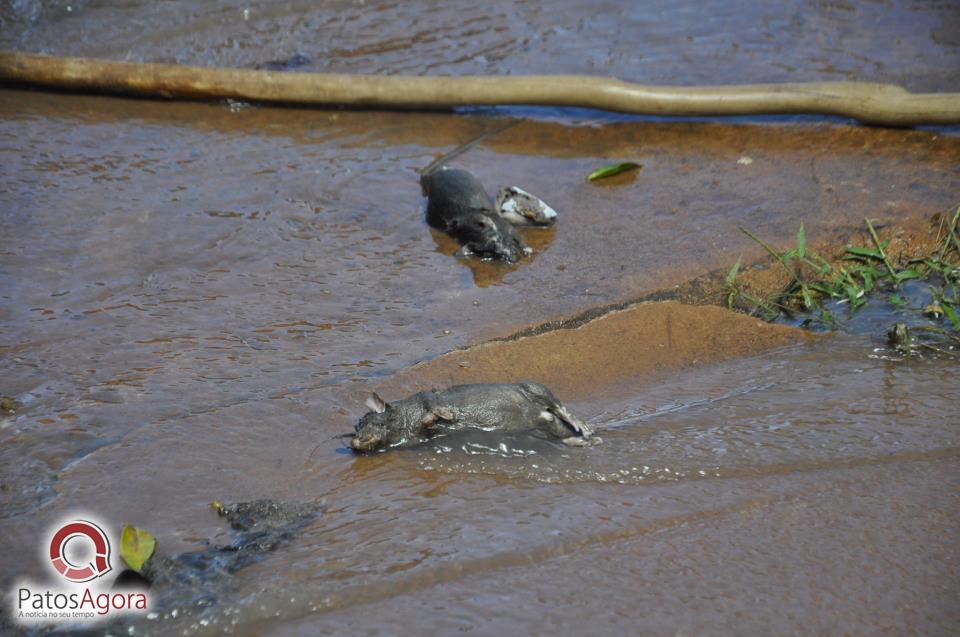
503,407
458,204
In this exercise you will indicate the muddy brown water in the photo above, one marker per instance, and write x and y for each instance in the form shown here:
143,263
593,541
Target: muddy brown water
196,297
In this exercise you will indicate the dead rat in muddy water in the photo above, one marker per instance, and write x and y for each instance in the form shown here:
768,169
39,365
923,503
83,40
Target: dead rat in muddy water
517,407
458,204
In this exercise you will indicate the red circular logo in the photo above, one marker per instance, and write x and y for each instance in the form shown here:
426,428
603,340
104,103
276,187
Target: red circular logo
79,530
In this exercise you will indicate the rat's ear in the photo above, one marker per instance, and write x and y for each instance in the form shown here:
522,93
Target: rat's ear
376,404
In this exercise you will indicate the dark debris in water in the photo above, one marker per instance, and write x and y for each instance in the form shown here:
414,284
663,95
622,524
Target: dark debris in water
187,584
259,527
293,62
895,317
923,340
879,309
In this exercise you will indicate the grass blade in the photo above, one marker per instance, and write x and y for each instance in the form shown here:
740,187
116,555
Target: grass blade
903,275
864,252
732,275
951,235
880,246
950,314
773,253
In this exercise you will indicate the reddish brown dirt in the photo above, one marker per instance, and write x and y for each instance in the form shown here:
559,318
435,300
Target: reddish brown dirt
618,348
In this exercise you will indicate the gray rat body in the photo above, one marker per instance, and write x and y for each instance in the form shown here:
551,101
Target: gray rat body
458,204
523,406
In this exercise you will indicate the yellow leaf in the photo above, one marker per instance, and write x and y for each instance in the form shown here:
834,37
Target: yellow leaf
136,546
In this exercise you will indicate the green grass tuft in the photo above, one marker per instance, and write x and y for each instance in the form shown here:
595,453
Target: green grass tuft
866,270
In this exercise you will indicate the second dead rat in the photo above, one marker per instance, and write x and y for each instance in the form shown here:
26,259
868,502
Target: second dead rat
458,204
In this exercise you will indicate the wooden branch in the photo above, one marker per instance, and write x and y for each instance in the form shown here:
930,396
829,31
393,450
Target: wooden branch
872,103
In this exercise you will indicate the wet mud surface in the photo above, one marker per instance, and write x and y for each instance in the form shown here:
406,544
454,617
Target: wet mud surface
197,297
610,354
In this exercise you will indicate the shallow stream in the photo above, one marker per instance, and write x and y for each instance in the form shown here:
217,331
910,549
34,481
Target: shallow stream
197,297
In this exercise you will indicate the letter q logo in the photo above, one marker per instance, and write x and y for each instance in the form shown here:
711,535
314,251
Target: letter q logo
80,530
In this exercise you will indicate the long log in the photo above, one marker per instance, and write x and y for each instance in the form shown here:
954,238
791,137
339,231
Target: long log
872,103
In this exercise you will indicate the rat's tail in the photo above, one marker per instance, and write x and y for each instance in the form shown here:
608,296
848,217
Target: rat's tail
462,148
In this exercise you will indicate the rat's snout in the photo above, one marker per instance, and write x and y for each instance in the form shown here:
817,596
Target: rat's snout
493,238
374,427
371,433
506,248
365,441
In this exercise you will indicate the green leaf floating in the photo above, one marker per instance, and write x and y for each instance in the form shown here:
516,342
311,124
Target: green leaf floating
136,546
612,169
